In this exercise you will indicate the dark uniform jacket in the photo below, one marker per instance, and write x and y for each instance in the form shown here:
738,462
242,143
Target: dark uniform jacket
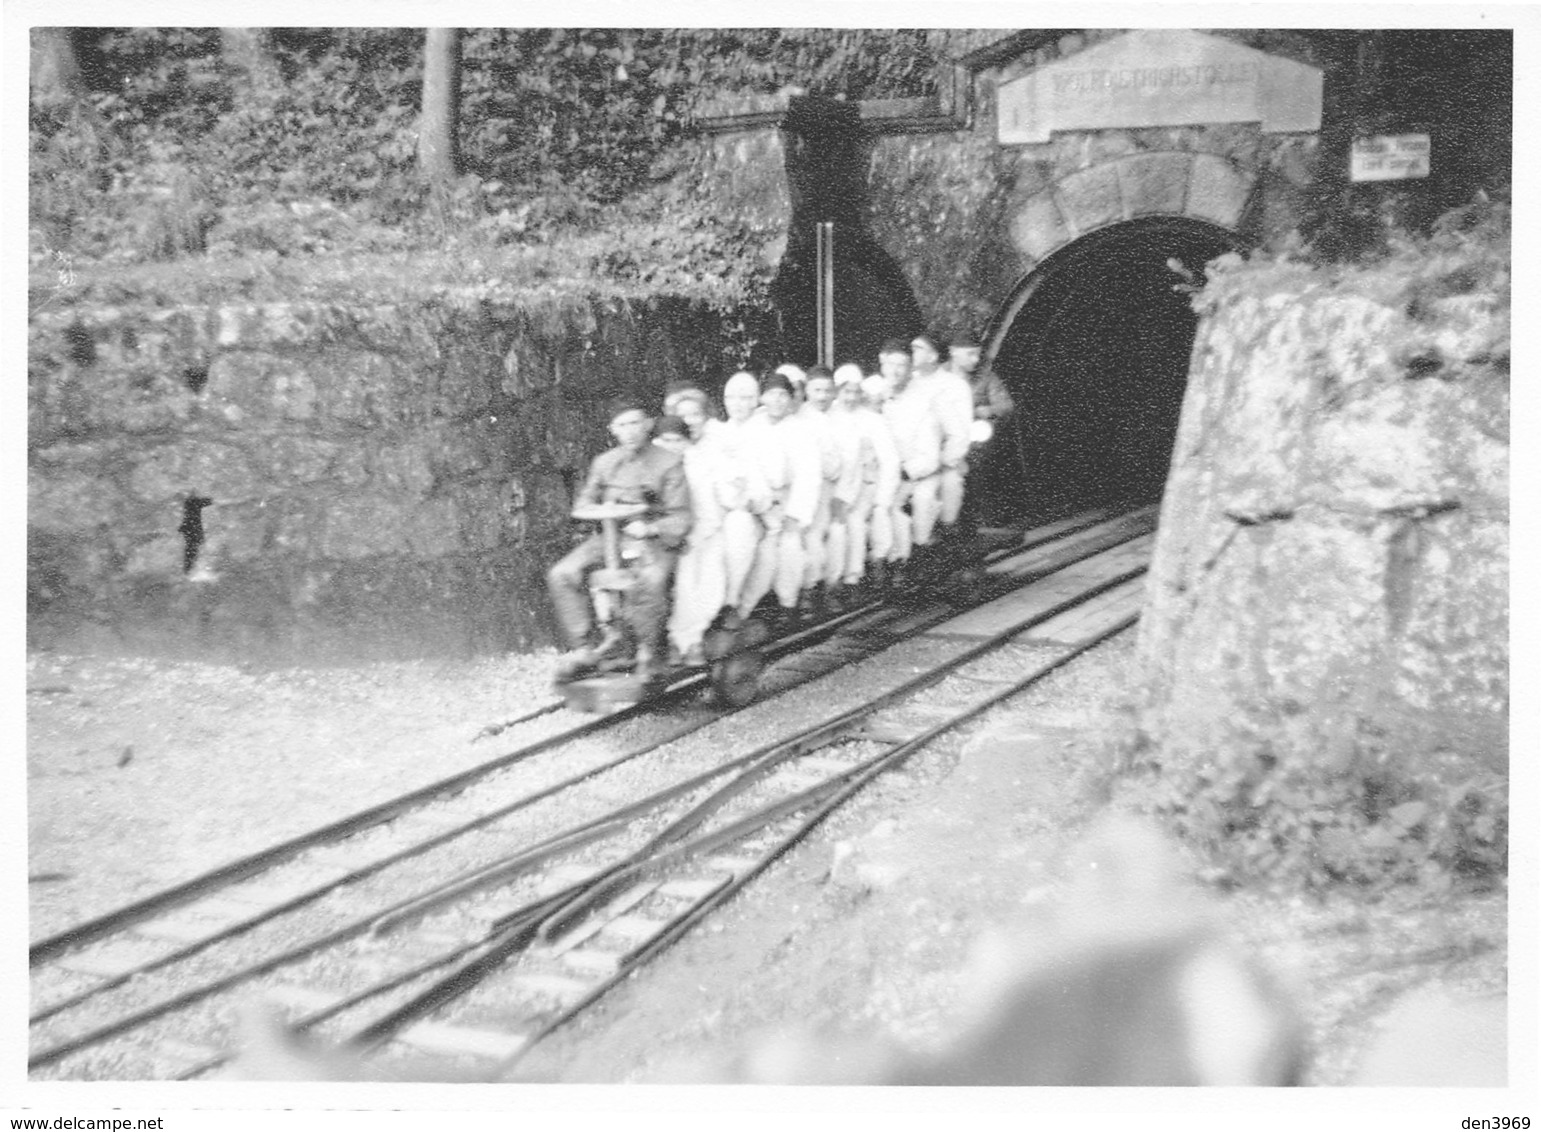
652,475
991,395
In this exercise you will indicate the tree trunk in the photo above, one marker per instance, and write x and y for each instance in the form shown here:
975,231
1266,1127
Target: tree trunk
1332,230
59,89
55,69
437,154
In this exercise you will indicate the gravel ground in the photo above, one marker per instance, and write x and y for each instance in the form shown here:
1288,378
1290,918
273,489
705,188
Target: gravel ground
142,773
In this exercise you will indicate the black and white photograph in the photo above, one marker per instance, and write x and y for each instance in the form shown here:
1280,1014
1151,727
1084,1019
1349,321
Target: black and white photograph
679,573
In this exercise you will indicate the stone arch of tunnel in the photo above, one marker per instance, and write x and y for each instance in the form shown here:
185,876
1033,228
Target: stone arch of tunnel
1094,344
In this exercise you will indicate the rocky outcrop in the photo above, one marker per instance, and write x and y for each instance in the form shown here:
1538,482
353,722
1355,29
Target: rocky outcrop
1330,581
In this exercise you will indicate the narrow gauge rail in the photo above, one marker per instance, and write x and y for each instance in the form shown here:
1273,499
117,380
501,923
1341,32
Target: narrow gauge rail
1057,535
156,1010
553,957
233,873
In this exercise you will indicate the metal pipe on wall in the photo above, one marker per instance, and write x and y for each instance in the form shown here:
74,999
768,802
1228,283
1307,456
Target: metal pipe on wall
825,255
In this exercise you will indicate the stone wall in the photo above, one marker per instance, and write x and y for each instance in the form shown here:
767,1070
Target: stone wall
300,482
970,218
1330,579
967,219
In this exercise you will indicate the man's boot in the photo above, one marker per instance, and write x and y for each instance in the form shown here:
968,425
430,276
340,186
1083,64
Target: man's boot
836,600
917,571
877,578
809,604
579,661
650,667
613,653
781,619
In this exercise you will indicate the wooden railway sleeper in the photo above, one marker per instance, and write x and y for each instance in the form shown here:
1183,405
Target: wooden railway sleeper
767,757
654,853
629,961
620,966
773,755
227,982
825,799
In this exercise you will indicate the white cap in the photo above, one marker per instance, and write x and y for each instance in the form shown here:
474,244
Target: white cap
795,374
847,373
875,386
690,393
742,380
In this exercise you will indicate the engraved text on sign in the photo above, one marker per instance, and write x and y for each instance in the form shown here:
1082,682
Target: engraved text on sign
1168,77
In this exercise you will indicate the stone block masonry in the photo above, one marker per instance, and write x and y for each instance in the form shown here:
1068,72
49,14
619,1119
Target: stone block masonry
970,218
303,483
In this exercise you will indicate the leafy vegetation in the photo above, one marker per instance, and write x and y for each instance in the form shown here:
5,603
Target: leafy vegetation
1466,253
1376,825
562,132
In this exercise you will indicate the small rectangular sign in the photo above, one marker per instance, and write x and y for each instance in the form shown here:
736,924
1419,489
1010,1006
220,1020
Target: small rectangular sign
1389,157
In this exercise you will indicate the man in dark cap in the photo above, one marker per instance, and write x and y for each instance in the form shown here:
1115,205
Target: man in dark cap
993,406
634,471
992,400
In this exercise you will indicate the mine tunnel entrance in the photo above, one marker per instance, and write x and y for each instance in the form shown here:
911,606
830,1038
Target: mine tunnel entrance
1095,346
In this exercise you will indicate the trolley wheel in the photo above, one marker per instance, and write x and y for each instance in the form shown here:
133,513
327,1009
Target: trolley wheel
722,643
718,643
752,634
736,678
963,585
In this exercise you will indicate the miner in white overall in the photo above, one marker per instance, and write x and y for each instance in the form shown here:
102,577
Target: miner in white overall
700,576
826,539
889,530
740,446
862,434
788,457
911,413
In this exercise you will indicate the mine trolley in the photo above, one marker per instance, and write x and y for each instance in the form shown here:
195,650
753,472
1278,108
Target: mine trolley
734,657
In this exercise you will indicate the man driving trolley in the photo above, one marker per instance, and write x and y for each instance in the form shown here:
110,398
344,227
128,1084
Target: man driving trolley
635,471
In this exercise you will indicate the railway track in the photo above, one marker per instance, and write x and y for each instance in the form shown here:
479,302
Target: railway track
356,929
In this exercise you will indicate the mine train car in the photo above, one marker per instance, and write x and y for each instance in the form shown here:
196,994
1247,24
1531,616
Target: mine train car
734,652
734,648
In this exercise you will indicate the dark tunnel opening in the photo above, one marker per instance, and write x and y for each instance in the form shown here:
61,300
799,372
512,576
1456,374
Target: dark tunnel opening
1095,347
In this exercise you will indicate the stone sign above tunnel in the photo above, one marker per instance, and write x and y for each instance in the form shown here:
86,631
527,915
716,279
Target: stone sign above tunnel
1166,77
